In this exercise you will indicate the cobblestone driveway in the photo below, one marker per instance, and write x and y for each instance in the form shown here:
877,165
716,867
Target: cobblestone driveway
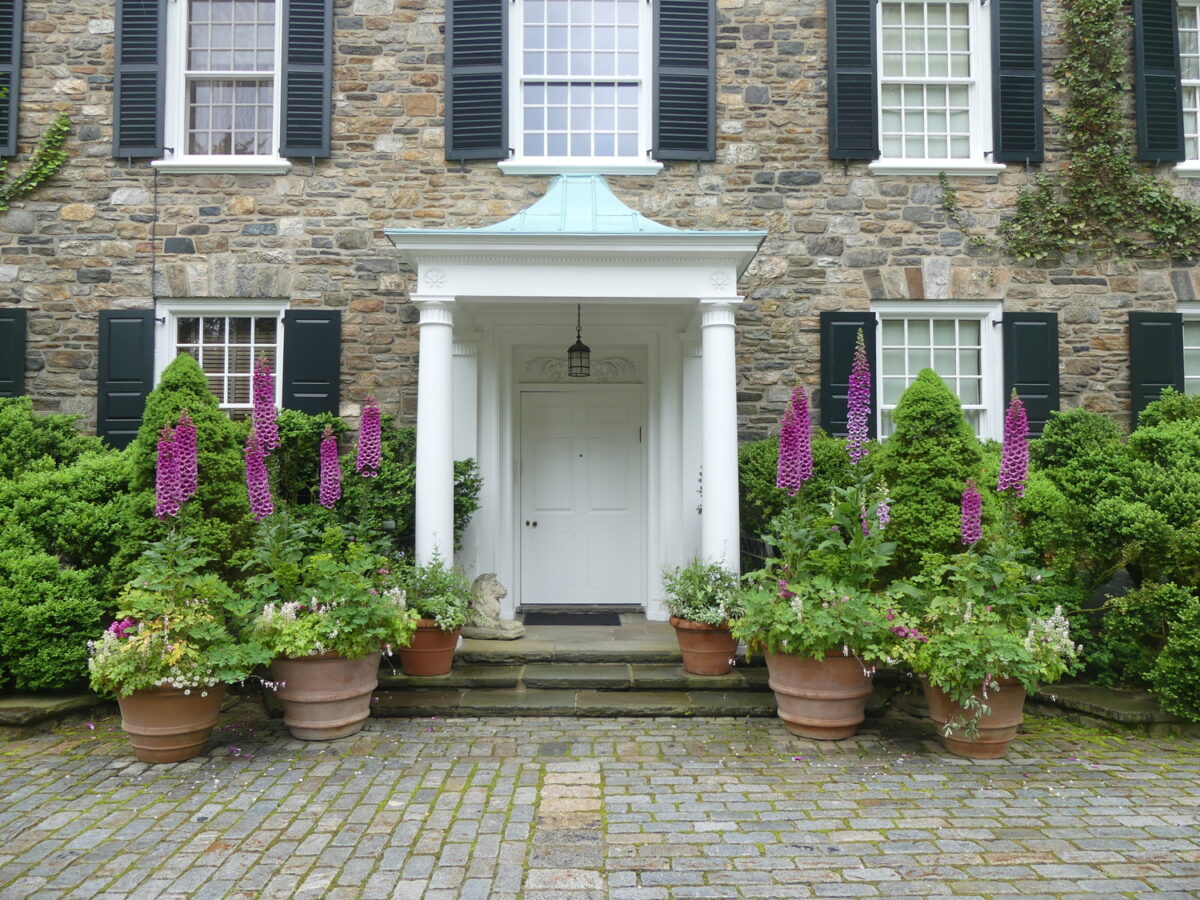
622,808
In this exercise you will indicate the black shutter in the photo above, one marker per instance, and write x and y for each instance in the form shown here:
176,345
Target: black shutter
307,78
1017,80
839,332
1157,90
10,73
685,79
853,125
12,352
126,372
476,104
140,69
312,360
1031,364
1155,357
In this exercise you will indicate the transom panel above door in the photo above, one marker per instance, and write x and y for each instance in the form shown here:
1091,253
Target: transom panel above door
583,506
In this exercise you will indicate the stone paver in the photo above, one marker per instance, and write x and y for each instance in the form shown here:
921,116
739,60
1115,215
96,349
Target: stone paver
545,808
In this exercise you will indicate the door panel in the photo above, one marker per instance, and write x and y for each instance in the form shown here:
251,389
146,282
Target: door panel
582,508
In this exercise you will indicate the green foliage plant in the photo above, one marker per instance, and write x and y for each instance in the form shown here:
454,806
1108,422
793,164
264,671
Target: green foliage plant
435,590
702,592
322,593
1176,676
48,157
925,463
219,515
47,613
1104,200
31,442
822,592
982,620
176,627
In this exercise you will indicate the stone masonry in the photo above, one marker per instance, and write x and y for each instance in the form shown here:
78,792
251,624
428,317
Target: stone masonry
100,233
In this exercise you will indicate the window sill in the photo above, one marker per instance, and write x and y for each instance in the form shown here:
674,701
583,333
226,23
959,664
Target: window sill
578,167
224,166
1188,169
950,167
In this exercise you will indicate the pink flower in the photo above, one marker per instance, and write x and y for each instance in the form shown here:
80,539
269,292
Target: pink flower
258,485
264,407
783,590
1014,458
331,472
795,444
368,462
858,402
972,514
122,627
185,457
166,475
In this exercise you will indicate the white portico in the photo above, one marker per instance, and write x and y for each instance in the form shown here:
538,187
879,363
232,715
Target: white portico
590,485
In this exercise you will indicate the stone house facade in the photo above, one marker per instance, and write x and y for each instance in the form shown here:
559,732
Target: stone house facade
251,177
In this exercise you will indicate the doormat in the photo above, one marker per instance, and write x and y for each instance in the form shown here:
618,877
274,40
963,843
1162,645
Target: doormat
572,618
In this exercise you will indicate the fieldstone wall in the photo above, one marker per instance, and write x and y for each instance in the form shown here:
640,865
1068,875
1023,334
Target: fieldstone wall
105,229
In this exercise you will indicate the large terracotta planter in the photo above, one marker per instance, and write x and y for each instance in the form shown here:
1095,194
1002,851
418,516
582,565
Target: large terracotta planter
706,649
431,651
996,729
166,725
325,696
819,698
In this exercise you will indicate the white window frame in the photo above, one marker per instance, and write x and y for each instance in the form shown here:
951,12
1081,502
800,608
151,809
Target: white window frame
1190,313
979,162
519,164
175,155
170,311
991,362
1190,167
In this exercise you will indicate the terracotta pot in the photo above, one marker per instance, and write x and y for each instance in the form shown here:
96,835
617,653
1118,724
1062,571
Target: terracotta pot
996,729
819,698
165,725
706,649
325,696
431,651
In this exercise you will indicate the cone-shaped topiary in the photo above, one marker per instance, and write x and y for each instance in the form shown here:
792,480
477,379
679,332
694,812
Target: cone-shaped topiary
926,462
219,514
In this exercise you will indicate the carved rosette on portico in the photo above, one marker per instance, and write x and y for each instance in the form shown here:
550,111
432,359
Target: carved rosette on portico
608,370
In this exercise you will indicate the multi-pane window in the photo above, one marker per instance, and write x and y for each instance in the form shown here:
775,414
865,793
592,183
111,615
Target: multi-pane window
227,348
954,347
230,77
582,82
1189,64
1191,356
929,80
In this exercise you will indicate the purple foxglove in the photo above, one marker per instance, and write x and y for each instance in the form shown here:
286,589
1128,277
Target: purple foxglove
795,445
972,513
331,471
258,485
858,402
166,475
883,512
1014,458
185,457
264,407
367,463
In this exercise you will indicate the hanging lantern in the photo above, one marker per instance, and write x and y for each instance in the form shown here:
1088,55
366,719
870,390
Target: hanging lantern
579,354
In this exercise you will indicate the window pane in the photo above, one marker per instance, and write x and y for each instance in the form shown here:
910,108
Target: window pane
968,362
918,332
240,330
969,391
893,362
893,332
187,330
213,329
918,359
892,389
945,362
968,332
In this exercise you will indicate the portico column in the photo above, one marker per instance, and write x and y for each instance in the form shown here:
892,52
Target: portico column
719,525
435,430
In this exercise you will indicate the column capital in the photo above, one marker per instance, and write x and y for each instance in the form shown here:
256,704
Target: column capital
718,311
435,309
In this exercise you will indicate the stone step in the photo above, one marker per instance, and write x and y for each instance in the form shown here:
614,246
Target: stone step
578,676
424,702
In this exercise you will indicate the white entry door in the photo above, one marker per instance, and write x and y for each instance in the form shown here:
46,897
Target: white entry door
582,497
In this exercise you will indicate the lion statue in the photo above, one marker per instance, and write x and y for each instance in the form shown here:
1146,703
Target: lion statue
484,622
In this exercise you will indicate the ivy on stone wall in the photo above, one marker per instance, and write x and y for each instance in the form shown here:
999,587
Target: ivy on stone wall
1103,199
48,157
